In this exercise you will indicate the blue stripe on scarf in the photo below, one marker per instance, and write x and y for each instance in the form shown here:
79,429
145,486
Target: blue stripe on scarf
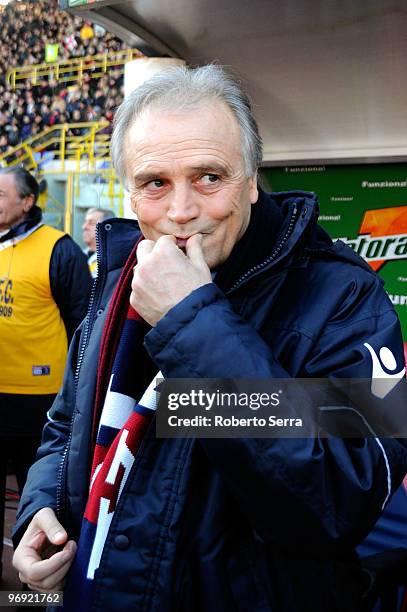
143,410
106,435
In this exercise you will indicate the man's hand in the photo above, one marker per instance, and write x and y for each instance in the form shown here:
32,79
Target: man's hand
164,275
39,559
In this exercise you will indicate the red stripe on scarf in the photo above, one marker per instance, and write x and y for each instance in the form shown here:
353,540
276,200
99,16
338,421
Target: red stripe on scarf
136,426
133,314
111,334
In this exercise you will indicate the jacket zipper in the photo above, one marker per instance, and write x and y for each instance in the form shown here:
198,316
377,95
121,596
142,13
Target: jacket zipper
271,257
89,316
60,502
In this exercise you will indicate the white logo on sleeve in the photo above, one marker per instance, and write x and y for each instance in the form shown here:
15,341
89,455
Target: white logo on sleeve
382,381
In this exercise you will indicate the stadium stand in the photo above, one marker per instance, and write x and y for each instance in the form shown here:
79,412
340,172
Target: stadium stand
27,28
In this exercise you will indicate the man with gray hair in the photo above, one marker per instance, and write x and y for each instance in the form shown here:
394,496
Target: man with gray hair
217,280
92,218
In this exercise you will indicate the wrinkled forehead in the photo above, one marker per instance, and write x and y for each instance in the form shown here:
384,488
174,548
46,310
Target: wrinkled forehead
207,126
209,118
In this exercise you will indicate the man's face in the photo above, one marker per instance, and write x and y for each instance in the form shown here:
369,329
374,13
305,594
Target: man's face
13,208
186,176
89,228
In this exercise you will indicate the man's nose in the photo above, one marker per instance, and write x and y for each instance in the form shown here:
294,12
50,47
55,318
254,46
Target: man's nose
183,205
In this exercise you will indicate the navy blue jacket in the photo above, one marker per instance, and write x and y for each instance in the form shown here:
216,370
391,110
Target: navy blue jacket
235,524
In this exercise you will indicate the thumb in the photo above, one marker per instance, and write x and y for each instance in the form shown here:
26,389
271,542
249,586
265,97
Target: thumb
194,251
144,248
48,522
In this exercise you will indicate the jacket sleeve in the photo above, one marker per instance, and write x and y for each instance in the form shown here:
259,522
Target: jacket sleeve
71,282
40,490
319,491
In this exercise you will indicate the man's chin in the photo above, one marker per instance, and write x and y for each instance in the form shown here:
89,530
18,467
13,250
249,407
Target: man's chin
211,260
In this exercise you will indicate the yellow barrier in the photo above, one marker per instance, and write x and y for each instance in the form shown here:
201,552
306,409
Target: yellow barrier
91,145
85,151
73,70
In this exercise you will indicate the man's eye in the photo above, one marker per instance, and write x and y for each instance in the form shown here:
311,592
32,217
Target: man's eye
156,184
209,179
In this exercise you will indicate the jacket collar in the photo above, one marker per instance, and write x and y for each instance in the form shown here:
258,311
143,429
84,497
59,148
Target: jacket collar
280,224
33,217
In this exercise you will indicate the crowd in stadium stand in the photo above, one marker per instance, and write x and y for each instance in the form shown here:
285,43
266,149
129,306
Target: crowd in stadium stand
27,27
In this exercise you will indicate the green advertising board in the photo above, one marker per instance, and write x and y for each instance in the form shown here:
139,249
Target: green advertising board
364,205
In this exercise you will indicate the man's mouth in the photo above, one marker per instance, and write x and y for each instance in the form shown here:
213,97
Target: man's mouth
182,242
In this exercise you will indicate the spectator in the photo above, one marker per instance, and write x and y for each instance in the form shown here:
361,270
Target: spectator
58,104
45,113
4,143
38,122
86,32
92,218
29,104
13,134
26,129
44,290
70,42
77,117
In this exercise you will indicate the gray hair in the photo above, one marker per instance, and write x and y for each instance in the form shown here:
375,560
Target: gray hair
106,212
25,183
183,88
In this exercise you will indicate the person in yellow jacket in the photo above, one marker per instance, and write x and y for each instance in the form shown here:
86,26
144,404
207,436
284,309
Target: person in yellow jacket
86,31
44,293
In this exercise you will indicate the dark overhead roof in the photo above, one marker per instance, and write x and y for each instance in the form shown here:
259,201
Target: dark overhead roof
328,78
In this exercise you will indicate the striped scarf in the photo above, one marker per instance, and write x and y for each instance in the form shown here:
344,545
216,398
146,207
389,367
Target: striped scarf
119,425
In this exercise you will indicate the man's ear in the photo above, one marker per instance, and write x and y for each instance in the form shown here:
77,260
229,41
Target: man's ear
253,190
29,203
